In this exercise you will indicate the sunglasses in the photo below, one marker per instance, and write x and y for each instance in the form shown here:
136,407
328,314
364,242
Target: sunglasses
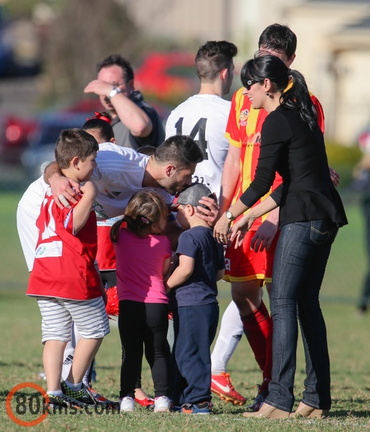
249,83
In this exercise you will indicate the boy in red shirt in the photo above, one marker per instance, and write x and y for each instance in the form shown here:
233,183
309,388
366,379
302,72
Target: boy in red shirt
64,278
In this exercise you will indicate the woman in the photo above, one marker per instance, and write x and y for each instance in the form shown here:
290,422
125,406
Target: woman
311,212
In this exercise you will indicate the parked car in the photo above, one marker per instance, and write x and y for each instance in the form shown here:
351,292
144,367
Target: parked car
167,77
40,149
15,133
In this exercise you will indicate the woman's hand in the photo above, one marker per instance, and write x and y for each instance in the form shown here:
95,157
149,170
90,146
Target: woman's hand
239,229
264,236
222,229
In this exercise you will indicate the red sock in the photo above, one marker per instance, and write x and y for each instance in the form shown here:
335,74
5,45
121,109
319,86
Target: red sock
258,329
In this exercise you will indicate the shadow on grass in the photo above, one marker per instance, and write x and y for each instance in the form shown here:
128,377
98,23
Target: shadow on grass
350,413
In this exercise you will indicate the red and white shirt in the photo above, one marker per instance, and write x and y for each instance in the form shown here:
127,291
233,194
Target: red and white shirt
64,265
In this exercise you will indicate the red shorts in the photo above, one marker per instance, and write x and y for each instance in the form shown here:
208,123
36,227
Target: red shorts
243,264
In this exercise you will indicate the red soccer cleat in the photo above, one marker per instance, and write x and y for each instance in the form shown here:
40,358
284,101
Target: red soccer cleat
221,385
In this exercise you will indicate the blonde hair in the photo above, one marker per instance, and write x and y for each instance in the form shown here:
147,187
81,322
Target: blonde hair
144,209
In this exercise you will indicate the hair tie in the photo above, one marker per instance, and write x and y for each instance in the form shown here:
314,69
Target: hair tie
101,116
145,220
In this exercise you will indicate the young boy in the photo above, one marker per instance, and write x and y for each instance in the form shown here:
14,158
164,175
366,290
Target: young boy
200,266
64,278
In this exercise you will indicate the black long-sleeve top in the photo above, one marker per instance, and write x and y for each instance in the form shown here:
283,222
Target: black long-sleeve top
298,154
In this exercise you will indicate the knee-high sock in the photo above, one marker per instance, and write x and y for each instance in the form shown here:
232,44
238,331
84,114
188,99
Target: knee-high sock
229,335
258,329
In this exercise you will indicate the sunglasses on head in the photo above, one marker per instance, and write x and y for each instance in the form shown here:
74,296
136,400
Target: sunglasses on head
249,83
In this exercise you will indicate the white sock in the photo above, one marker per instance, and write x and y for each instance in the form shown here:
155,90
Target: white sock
55,393
229,335
72,386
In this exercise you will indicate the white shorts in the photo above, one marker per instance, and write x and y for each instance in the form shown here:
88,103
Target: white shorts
89,316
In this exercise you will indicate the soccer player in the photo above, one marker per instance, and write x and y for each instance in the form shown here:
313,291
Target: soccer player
203,116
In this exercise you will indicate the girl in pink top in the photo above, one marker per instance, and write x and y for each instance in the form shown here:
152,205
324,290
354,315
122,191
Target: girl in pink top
143,257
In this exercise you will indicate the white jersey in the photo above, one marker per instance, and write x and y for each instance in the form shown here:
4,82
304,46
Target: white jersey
203,117
119,175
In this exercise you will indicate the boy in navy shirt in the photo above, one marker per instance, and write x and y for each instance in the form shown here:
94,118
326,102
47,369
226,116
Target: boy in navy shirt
200,266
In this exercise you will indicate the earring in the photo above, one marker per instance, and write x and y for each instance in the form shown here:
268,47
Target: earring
267,94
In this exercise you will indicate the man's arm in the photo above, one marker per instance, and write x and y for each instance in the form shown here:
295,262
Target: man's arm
230,177
130,114
64,190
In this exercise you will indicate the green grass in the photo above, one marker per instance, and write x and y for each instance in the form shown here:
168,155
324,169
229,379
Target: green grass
21,350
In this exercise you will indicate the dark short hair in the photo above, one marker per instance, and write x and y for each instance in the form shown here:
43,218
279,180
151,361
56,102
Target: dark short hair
180,149
118,60
278,37
213,57
72,143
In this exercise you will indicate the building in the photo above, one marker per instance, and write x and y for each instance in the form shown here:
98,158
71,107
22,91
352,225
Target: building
333,44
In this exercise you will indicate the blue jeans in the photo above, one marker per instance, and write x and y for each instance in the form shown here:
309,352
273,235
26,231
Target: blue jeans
300,260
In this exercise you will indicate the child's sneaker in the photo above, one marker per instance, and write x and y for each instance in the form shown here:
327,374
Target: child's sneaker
221,385
127,404
56,401
162,404
199,408
80,398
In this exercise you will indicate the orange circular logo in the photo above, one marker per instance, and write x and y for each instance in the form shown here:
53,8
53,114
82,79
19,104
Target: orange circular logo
22,408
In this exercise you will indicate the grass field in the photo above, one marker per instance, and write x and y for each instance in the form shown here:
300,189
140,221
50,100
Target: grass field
349,336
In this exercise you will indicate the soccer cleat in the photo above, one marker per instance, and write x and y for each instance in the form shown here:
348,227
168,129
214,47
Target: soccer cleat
199,408
101,400
79,398
221,385
127,404
56,402
162,404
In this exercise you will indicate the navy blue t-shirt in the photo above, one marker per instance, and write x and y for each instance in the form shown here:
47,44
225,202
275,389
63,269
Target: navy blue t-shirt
201,287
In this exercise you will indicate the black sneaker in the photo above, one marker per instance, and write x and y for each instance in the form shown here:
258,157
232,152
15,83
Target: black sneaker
80,398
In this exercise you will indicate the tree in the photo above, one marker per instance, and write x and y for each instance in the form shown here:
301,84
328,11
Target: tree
83,34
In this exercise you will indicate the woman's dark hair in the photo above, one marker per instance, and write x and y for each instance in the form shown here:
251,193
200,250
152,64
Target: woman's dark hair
295,95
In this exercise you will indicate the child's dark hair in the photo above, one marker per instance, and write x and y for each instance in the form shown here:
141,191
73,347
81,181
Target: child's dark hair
71,143
144,209
295,96
101,121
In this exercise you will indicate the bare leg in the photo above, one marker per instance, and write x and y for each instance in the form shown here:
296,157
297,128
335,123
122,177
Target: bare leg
53,355
85,351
